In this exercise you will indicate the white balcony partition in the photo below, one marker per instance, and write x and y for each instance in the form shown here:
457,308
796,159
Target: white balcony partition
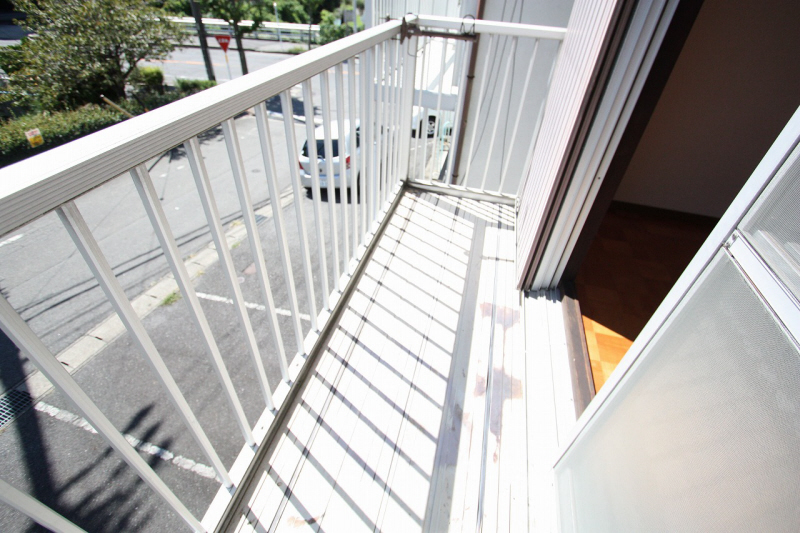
492,146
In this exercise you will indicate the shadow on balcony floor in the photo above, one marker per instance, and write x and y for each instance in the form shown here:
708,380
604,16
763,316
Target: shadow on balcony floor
401,424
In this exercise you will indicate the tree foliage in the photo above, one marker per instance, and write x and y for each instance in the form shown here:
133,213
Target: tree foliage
80,49
292,11
235,12
330,31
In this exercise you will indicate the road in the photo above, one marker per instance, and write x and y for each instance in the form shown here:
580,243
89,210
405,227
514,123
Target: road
188,63
48,452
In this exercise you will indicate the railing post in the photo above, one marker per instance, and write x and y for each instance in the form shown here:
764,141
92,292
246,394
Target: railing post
406,109
36,510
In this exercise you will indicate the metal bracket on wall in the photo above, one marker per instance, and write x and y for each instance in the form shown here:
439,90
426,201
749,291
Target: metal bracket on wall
408,30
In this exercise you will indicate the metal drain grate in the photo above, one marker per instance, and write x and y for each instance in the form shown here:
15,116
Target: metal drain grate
13,404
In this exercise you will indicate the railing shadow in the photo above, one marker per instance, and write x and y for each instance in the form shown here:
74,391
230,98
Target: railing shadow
116,503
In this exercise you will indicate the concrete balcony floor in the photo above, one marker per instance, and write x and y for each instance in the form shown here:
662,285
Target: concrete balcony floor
440,399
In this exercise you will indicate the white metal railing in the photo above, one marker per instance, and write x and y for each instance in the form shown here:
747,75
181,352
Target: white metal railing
375,85
53,180
273,31
439,99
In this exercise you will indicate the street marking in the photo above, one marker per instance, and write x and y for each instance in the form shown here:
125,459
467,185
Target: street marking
12,239
143,446
93,342
259,307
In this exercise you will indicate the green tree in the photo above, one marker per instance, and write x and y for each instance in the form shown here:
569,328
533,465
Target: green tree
330,28
292,11
80,49
236,11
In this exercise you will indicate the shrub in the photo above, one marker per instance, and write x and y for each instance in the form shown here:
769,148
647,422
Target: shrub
79,50
148,79
57,128
188,87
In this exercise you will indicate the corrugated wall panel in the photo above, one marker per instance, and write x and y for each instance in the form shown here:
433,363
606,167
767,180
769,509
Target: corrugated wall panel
587,33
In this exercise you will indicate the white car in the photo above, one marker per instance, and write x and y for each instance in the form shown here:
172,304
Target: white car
305,162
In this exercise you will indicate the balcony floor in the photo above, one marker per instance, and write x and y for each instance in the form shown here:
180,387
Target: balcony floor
426,411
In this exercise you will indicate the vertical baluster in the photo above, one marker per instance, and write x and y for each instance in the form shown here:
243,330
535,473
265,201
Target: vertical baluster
437,121
390,97
203,184
400,62
380,116
399,127
355,147
364,166
23,337
470,154
36,510
406,105
366,95
268,156
243,191
501,100
422,126
331,185
313,158
89,249
374,180
425,112
158,219
346,157
291,146
388,66
504,171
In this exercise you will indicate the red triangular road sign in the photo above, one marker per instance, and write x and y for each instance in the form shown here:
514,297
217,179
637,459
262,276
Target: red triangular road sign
224,41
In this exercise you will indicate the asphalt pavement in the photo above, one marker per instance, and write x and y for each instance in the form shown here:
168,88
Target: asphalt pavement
48,452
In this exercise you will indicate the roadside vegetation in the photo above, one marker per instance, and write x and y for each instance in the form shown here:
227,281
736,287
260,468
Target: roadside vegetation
79,53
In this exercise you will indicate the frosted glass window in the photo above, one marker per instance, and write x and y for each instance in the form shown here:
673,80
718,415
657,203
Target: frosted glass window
704,434
773,227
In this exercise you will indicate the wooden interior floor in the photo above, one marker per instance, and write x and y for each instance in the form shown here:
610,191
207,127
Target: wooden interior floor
418,416
633,262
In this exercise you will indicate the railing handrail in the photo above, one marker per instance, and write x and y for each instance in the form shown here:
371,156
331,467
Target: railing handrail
39,184
493,27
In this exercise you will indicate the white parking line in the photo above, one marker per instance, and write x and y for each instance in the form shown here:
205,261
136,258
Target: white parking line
223,300
143,446
93,342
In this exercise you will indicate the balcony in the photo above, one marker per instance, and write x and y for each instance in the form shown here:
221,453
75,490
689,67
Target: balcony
391,375
348,358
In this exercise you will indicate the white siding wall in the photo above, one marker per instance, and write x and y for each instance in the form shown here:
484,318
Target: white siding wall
586,32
